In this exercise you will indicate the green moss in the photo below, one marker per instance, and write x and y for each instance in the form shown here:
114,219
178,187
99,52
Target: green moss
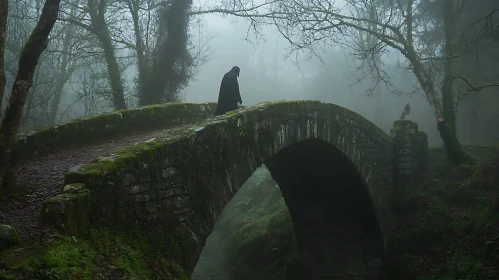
400,123
102,254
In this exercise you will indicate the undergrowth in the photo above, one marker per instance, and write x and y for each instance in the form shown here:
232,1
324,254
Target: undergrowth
103,255
448,225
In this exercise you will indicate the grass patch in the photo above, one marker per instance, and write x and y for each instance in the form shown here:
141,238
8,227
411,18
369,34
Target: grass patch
102,255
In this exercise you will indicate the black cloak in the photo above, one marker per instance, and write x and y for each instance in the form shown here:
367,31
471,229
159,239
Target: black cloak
229,94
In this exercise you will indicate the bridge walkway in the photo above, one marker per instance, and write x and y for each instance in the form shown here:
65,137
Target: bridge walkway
43,178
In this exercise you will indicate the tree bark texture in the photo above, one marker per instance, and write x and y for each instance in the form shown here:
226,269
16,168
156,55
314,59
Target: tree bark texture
142,62
28,60
100,28
447,125
443,110
4,11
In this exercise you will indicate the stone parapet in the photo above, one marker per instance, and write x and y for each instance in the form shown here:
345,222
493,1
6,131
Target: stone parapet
85,131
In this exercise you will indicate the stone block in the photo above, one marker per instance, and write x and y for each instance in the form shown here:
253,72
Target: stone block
165,193
179,191
140,188
160,185
180,202
170,172
130,179
144,197
151,207
69,211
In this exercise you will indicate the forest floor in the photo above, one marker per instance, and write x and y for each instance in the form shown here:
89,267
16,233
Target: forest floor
43,178
448,223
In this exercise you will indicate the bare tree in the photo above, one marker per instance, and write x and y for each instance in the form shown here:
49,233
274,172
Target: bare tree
308,24
97,10
33,48
65,66
92,17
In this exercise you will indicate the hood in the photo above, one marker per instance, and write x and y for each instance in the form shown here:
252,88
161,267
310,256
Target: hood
236,70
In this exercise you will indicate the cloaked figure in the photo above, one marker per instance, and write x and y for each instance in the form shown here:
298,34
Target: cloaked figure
229,95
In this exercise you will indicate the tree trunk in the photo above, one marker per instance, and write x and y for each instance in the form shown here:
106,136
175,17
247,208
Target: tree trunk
65,68
25,121
97,13
455,151
142,64
4,11
447,126
169,52
36,44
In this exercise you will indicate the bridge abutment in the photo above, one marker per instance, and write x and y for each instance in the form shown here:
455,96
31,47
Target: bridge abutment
410,152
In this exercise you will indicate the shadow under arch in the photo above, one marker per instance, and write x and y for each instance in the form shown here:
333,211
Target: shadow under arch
334,219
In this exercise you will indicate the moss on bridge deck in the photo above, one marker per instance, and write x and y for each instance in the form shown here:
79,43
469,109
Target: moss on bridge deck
84,131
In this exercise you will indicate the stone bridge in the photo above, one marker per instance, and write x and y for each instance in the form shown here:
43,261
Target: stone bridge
336,170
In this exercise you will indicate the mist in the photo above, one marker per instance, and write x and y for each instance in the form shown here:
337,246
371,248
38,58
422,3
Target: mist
269,72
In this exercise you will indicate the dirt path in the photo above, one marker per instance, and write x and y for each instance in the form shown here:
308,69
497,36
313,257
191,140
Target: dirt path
45,177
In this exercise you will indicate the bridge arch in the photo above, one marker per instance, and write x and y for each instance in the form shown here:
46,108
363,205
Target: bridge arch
334,218
334,169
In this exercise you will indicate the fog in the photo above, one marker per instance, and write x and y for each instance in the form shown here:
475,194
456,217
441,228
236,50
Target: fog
269,72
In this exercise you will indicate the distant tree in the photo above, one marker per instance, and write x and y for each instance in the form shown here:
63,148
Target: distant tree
28,61
170,58
164,56
97,11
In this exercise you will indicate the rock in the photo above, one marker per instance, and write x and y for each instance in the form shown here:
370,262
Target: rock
8,237
68,212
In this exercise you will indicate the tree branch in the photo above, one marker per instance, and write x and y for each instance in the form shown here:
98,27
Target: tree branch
474,87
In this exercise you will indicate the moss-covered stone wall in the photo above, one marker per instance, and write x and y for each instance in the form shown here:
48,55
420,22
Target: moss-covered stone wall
181,182
84,131
410,151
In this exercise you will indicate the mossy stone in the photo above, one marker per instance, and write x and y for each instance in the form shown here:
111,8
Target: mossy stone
8,237
68,212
